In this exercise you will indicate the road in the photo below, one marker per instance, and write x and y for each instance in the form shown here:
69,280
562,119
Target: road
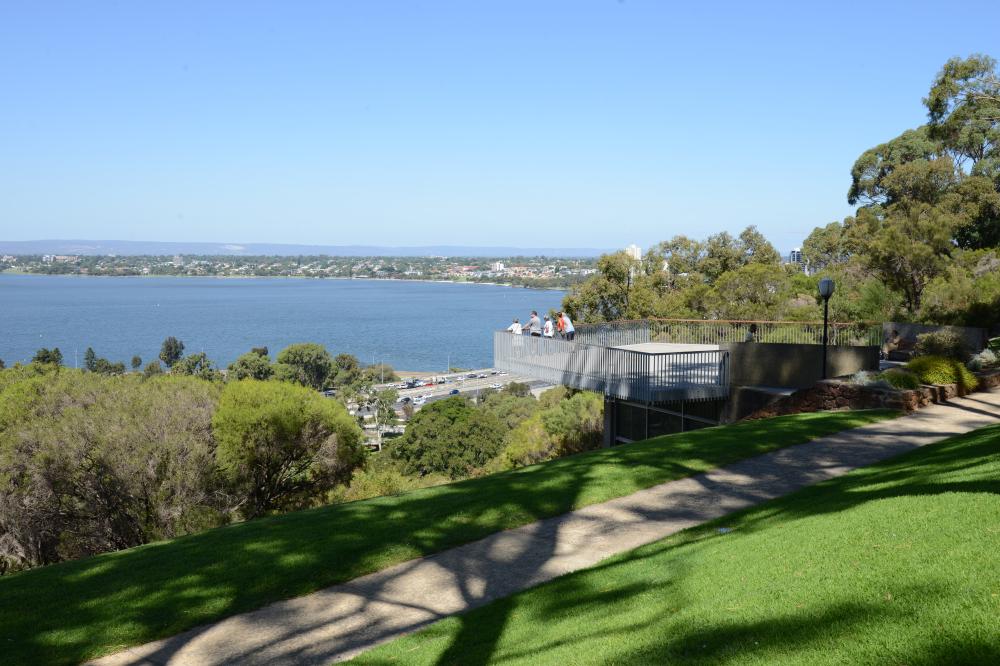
465,386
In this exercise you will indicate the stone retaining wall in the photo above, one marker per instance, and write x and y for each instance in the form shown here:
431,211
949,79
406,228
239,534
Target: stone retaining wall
836,394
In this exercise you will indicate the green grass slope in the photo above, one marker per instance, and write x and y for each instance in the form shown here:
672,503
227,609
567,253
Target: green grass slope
77,610
897,563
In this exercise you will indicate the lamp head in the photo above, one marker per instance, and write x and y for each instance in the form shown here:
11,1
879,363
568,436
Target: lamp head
826,286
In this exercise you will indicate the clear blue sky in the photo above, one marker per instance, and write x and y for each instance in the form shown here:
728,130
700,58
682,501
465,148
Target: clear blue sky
589,123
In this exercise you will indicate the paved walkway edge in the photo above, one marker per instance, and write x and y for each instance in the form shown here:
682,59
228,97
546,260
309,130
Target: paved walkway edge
341,621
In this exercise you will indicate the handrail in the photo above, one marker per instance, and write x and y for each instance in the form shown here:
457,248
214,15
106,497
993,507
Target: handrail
721,331
729,321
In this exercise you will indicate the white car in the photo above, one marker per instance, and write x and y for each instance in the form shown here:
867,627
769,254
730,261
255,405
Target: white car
496,386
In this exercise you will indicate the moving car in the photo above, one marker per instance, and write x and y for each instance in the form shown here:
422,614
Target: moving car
453,392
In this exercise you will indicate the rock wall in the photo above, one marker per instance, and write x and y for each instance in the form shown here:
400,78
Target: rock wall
836,394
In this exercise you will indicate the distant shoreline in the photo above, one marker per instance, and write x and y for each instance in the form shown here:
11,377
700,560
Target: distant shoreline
291,277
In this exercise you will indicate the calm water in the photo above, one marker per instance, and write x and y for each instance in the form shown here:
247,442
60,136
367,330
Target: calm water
410,325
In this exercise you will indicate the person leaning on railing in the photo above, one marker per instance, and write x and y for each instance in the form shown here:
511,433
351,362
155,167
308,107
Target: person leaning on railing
566,326
534,325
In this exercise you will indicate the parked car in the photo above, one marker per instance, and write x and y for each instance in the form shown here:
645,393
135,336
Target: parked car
481,376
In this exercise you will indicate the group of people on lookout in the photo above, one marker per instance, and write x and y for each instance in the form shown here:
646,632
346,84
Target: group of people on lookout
562,326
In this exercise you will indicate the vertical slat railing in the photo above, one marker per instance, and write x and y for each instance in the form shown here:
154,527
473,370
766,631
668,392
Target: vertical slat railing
622,373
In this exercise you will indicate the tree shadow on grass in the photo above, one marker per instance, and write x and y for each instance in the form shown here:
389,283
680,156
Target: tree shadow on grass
73,611
966,464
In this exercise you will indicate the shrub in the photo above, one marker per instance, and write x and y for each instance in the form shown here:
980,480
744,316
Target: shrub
942,343
899,378
984,359
90,463
941,370
449,436
281,445
305,363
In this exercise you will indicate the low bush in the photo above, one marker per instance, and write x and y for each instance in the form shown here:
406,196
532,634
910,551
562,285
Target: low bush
899,378
941,370
943,343
984,359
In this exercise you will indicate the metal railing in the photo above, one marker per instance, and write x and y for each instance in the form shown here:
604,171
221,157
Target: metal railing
620,373
714,332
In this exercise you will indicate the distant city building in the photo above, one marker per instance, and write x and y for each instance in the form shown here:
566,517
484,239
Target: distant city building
497,267
795,257
634,251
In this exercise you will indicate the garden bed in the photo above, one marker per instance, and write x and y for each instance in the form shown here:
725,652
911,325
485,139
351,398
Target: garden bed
839,394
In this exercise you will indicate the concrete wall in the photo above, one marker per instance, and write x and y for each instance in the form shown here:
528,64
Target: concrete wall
792,365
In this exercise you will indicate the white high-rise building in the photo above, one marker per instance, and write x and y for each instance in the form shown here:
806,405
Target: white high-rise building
497,267
795,256
634,251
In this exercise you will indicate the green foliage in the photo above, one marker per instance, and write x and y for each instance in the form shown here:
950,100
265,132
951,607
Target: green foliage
90,359
84,609
517,389
938,370
48,356
136,362
346,370
565,424
251,365
754,291
196,365
171,351
382,481
510,408
826,246
964,110
305,363
681,278
900,379
102,366
279,444
378,374
93,463
943,343
450,437
906,245
152,369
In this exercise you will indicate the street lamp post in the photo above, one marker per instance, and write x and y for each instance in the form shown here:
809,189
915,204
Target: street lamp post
826,287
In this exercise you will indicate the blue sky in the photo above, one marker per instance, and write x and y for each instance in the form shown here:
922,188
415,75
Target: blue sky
587,123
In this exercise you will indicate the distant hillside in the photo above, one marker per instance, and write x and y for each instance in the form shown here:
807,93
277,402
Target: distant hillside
105,247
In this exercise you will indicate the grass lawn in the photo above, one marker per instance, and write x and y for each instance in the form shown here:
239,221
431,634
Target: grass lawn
69,612
898,563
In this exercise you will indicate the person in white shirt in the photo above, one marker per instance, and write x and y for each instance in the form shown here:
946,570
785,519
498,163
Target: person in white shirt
568,330
547,327
515,328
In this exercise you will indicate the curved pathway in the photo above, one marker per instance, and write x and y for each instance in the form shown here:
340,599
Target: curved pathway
342,621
